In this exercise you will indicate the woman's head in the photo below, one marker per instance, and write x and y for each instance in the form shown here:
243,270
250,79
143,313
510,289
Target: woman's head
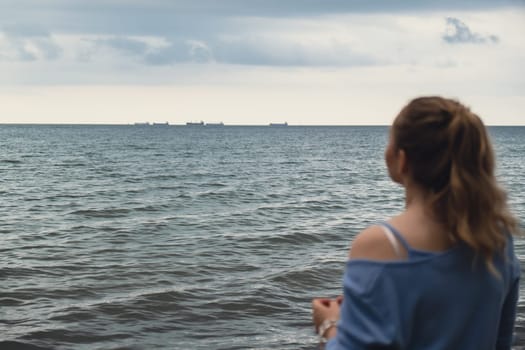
438,136
449,156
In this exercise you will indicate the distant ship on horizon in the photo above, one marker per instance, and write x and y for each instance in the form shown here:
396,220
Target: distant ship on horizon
201,123
279,124
151,124
215,124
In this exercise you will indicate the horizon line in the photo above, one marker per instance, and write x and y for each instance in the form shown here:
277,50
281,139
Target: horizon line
138,124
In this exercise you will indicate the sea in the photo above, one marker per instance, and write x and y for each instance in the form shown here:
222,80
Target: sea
180,237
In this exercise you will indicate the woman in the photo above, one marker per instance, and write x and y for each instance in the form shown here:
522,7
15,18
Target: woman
442,274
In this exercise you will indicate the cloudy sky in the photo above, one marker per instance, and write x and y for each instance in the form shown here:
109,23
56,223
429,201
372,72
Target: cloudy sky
330,62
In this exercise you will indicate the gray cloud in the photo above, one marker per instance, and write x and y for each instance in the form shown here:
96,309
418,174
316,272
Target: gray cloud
24,55
30,44
180,51
193,30
458,32
249,49
20,30
167,17
174,51
47,48
125,45
34,50
255,50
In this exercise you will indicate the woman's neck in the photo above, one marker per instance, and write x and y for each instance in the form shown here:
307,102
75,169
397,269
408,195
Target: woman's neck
417,204
415,197
419,210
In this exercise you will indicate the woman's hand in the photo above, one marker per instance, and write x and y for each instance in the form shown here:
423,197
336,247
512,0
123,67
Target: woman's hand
326,309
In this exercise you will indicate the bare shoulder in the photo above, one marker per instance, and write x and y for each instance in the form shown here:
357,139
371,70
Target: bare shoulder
373,244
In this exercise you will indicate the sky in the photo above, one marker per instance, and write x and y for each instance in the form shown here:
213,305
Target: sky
254,62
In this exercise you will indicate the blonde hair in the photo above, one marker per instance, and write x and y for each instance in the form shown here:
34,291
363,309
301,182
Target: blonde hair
450,155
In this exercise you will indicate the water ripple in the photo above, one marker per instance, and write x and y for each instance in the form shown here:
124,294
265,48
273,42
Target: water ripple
121,237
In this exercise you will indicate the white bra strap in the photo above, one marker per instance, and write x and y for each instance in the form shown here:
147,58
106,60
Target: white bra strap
392,239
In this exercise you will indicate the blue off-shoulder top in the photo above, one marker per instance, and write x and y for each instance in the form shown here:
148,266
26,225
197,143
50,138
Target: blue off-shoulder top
433,301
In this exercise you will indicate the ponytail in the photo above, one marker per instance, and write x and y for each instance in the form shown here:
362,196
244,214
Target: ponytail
450,155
